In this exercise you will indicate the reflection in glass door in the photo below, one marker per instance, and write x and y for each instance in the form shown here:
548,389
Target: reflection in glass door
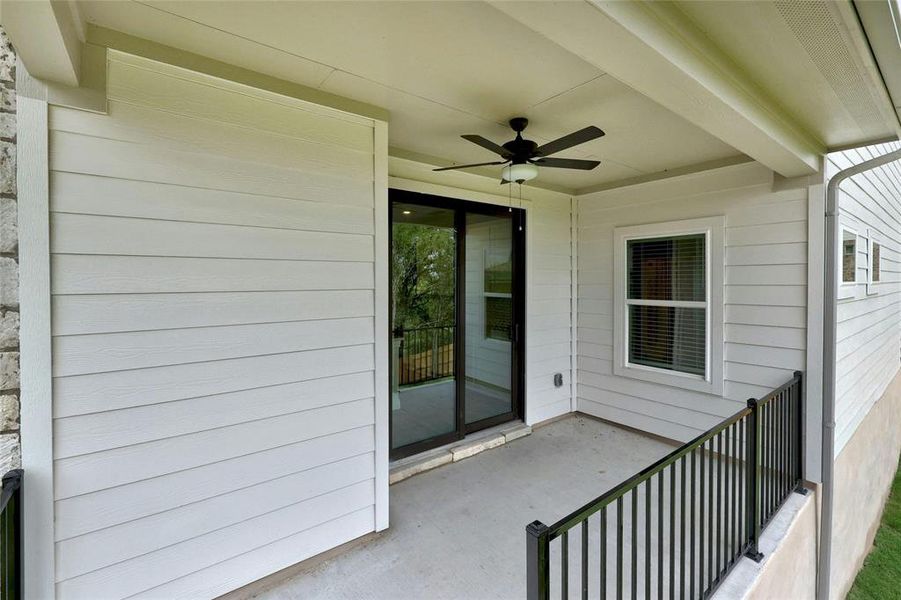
456,311
424,281
489,317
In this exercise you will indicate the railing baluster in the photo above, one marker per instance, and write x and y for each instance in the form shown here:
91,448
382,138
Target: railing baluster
634,582
660,540
782,444
619,548
772,446
647,538
672,531
701,579
585,559
719,505
691,561
564,565
603,583
742,497
710,551
682,529
733,499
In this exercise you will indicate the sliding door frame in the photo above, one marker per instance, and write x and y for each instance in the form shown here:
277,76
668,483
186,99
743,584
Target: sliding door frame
518,345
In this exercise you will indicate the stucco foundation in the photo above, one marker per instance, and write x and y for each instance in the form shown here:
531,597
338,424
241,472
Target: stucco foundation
789,565
863,477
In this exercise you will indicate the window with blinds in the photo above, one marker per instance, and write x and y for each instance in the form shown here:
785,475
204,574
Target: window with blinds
666,303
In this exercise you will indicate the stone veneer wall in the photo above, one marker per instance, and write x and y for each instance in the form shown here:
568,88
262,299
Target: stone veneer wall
10,455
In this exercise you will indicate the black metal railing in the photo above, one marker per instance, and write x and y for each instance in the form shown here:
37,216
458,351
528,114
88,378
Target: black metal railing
11,536
425,354
677,528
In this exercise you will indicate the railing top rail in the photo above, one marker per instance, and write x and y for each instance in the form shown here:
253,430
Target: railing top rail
580,514
772,395
426,327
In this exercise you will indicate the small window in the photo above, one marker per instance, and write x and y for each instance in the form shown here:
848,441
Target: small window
667,303
849,256
875,263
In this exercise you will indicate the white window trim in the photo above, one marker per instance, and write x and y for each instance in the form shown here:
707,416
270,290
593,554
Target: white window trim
873,238
713,229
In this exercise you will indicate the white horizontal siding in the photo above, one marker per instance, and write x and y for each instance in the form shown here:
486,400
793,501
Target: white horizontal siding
765,299
868,323
213,335
549,320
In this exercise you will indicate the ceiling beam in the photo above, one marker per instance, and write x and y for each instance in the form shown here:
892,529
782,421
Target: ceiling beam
653,48
45,34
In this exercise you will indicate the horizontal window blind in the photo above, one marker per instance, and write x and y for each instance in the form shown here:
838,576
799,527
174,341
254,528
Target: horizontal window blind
666,293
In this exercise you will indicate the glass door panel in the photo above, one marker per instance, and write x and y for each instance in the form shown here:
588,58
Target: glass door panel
490,323
424,281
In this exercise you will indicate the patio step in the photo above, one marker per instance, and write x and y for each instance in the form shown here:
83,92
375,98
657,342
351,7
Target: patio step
456,451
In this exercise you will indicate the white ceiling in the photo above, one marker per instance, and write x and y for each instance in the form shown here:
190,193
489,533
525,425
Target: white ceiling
447,68
441,68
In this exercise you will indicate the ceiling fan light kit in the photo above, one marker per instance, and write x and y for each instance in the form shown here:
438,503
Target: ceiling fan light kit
519,172
523,157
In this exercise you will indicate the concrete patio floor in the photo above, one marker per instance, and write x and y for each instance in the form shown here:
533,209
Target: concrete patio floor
459,531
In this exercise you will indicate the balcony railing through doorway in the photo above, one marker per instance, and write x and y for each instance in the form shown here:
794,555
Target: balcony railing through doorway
425,354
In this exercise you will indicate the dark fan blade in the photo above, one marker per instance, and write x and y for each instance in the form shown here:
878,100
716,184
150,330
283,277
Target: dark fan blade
568,141
497,162
567,163
487,144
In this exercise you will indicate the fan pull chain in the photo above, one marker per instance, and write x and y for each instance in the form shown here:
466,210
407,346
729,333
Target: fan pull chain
520,205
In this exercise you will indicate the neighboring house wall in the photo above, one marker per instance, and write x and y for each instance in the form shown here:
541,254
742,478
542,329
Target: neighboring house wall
9,267
549,275
765,312
868,352
213,289
868,328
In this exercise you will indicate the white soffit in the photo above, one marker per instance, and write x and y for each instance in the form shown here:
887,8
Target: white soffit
881,21
441,68
803,55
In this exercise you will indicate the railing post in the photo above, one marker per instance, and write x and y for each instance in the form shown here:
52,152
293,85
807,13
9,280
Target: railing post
753,499
11,539
799,409
537,562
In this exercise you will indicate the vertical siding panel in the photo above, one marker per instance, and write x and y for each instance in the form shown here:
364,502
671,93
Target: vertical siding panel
868,349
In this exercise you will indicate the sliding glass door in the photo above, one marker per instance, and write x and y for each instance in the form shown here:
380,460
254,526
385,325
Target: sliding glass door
457,309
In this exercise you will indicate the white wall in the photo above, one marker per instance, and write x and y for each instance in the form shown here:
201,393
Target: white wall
868,328
549,275
213,288
765,298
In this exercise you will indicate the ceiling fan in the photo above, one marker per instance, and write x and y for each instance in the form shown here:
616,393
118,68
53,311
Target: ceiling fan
525,156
